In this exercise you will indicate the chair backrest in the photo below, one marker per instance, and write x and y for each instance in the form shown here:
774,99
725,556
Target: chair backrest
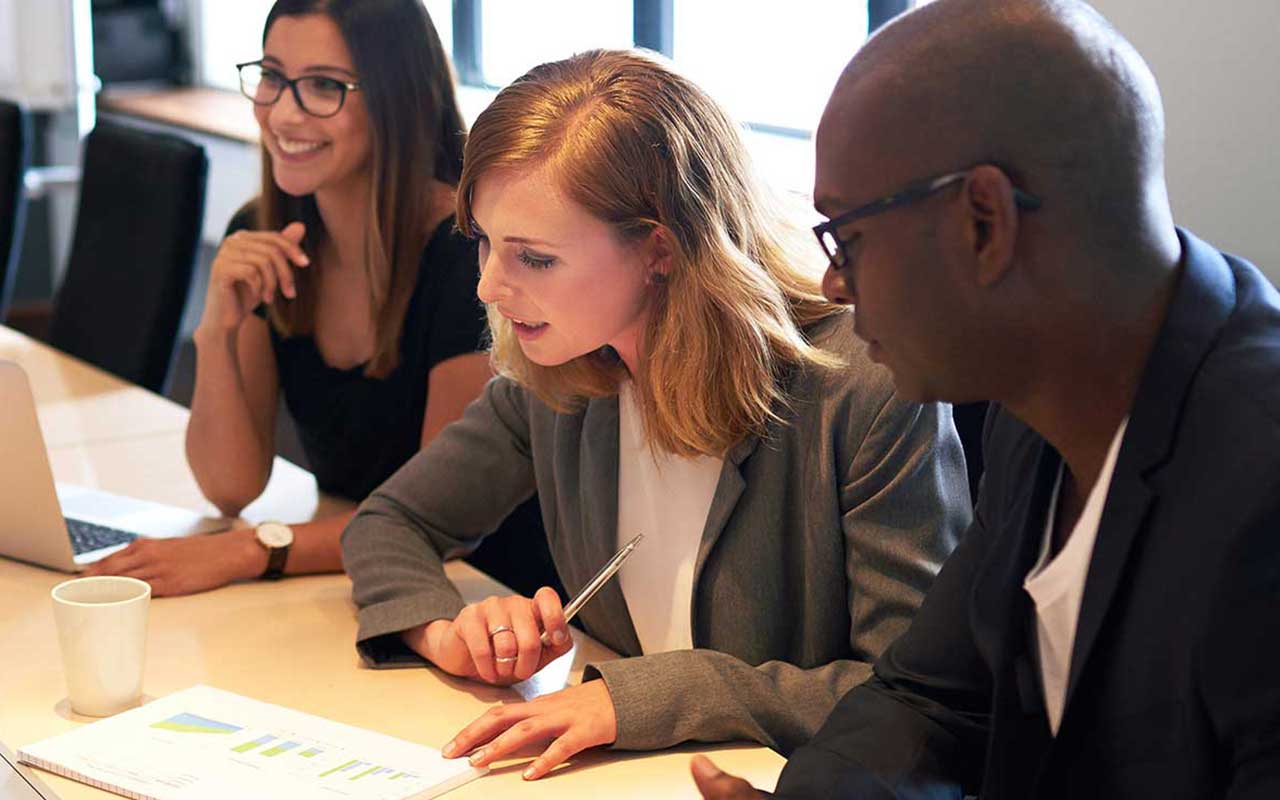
15,157
970,418
133,252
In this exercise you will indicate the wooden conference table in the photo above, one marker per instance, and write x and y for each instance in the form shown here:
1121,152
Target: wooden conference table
290,642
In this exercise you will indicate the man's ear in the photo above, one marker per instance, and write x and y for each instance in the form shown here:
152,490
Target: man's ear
991,222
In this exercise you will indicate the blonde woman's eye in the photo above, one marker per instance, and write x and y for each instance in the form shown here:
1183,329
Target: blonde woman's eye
534,262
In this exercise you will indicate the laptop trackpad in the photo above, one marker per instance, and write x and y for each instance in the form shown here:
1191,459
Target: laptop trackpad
133,515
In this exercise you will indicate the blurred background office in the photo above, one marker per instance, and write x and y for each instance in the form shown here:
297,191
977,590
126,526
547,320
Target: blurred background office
167,66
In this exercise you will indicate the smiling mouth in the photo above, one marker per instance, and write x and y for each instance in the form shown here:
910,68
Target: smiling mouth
298,147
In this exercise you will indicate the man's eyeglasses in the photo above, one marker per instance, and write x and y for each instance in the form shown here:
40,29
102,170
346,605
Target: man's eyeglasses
317,95
837,248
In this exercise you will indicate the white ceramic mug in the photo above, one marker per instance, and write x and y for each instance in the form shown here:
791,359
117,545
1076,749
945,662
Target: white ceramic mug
102,629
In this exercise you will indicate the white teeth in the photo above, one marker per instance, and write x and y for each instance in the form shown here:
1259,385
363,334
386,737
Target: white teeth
294,148
528,324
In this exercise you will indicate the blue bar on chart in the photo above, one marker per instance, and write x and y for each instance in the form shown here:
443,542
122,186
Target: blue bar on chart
247,746
283,747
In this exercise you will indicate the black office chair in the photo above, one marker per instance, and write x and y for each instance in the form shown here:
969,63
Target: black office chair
970,418
15,157
133,252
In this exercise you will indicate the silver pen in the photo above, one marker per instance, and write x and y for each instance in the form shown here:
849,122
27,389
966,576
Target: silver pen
597,583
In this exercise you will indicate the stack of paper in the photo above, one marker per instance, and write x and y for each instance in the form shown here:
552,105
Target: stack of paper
206,743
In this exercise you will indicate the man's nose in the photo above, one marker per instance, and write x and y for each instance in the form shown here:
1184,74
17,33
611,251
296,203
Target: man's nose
837,285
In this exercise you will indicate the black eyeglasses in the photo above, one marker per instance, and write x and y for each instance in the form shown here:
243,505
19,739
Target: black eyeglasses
317,95
837,248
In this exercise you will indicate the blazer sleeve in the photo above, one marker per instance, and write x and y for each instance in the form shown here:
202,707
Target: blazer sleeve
1236,661
904,502
440,504
918,727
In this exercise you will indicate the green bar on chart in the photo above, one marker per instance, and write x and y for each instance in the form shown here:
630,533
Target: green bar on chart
368,771
247,746
338,768
311,752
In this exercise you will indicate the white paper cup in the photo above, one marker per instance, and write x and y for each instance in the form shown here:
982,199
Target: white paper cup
102,629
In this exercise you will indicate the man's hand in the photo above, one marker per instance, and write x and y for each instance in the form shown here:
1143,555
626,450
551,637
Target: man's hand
717,785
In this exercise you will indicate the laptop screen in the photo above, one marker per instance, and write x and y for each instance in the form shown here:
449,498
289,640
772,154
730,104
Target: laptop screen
17,783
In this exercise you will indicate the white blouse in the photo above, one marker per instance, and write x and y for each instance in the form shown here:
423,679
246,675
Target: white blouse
666,498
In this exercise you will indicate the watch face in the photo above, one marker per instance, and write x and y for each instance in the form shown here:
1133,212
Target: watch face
273,534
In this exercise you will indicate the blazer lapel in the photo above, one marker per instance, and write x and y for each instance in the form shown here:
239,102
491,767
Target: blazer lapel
1203,301
729,490
1001,607
597,538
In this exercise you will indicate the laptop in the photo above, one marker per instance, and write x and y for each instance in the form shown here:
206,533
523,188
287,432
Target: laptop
61,526
17,782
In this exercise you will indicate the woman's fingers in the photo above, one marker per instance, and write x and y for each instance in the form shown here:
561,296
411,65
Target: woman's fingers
503,639
272,262
550,617
472,628
484,728
558,752
527,633
571,719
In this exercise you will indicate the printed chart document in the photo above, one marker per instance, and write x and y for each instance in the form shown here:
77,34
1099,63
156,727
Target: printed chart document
203,743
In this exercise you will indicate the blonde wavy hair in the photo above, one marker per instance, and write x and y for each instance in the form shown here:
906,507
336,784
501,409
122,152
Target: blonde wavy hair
644,149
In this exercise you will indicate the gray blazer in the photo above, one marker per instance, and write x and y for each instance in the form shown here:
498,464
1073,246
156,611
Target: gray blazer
820,543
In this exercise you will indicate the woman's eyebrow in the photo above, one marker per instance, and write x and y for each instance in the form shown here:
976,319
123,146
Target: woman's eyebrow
311,67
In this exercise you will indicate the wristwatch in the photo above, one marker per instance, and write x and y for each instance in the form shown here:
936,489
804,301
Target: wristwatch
277,539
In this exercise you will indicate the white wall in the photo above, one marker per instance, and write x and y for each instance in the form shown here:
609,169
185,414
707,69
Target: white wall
1218,66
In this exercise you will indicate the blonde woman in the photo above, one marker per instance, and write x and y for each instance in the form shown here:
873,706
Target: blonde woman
668,367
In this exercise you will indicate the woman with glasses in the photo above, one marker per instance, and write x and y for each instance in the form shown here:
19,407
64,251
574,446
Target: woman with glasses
344,285
669,368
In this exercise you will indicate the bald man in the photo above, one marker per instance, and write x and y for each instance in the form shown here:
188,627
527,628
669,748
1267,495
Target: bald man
1110,625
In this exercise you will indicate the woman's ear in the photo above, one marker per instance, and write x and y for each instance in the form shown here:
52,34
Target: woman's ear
991,224
658,256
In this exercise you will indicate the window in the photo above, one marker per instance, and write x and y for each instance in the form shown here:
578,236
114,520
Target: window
771,64
229,32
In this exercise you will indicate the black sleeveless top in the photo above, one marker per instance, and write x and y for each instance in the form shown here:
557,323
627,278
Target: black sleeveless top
356,430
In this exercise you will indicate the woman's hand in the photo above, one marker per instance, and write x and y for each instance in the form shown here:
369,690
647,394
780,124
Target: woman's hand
497,640
187,565
572,719
249,268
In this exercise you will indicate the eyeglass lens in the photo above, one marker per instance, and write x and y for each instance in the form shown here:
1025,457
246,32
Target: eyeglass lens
318,95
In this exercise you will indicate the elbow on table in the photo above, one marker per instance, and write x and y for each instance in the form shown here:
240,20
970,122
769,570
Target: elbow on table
231,497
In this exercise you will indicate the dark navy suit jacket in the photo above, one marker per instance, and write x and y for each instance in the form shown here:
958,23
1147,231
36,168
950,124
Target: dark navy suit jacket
1174,685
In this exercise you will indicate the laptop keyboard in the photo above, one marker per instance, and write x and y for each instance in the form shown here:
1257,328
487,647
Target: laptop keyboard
86,536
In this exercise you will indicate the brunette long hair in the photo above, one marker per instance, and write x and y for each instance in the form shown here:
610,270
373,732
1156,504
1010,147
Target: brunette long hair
406,84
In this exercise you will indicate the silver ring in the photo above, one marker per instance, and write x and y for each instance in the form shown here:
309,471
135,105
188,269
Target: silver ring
500,629
505,659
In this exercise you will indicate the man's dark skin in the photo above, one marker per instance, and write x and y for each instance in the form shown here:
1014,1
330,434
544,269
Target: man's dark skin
964,296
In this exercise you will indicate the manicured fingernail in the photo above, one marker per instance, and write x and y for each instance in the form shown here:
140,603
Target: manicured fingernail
303,259
559,637
528,774
449,749
476,757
